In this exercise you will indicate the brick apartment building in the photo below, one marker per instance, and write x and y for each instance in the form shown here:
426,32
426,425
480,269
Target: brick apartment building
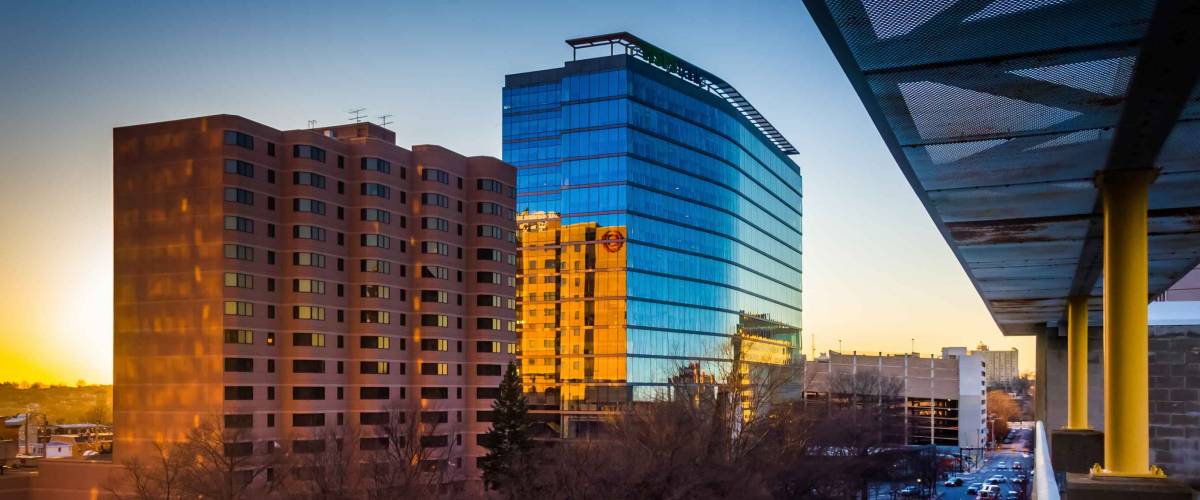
286,282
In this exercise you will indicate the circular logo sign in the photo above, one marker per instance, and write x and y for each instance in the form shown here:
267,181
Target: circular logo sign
613,240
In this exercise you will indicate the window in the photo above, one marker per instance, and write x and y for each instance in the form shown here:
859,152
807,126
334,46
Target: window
487,323
239,280
308,233
435,247
488,370
239,252
308,339
308,179
487,346
308,419
435,320
376,189
438,272
308,366
435,417
239,421
487,392
375,291
374,418
270,149
235,138
375,240
308,312
435,223
376,215
239,167
307,205
238,195
485,416
435,175
308,393
308,446
375,266
435,296
245,365
235,223
435,393
308,286
372,443
489,231
376,164
374,368
239,393
489,254
308,259
434,369
435,199
489,277
435,345
310,152
490,185
239,337
375,342
237,308
379,317
489,208
373,393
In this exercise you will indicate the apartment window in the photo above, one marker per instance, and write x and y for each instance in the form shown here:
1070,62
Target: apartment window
435,417
378,317
434,369
489,185
374,368
376,164
375,240
487,392
235,138
235,223
376,418
376,189
308,286
438,272
308,393
308,259
435,393
435,320
489,277
308,366
435,296
239,393
488,370
375,291
375,266
435,199
310,152
239,280
238,195
435,345
238,308
435,223
489,254
308,312
373,393
244,365
373,443
308,233
270,149
374,342
489,231
308,179
241,421
308,446
485,416
487,323
488,300
376,215
435,175
239,252
308,419
309,206
435,247
239,336
239,167
487,346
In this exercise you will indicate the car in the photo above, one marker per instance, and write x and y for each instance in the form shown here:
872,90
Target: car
953,481
988,492
995,480
1018,479
1016,466
1001,466
1012,495
910,491
974,488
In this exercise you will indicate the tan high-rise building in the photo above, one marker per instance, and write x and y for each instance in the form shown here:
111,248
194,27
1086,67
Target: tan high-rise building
1001,365
287,282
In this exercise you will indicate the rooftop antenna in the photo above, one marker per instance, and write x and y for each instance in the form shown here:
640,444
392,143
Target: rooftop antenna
383,120
357,114
312,124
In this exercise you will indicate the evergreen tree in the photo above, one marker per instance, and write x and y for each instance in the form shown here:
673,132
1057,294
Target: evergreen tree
507,440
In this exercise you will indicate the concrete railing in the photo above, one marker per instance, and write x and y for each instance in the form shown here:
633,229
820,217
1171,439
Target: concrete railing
1045,485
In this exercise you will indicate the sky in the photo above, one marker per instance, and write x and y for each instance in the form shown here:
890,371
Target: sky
877,274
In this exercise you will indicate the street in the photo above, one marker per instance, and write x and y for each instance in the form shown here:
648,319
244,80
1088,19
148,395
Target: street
1018,451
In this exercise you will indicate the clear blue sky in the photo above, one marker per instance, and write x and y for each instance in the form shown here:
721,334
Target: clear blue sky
876,271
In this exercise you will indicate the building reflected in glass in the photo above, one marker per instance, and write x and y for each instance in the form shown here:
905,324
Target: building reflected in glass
660,230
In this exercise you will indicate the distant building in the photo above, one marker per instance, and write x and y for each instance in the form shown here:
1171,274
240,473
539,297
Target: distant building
940,401
1001,365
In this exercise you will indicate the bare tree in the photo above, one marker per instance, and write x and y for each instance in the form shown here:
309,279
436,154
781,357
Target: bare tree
327,468
411,455
151,479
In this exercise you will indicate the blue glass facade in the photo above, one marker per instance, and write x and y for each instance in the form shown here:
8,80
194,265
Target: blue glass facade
710,212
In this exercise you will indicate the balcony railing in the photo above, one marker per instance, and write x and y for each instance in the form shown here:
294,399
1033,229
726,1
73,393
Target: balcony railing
1045,485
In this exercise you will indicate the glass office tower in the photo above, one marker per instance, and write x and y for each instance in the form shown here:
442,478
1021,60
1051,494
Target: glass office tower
659,220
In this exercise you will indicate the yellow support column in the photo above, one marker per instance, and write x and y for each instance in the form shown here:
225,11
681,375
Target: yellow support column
1077,347
1126,342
